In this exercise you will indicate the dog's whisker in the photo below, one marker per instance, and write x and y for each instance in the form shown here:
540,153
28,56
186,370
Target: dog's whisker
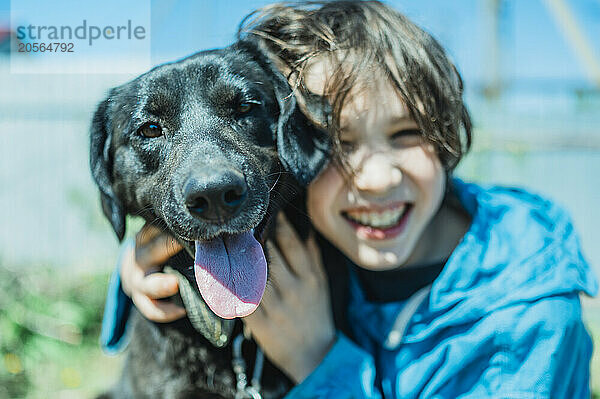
274,184
289,186
281,172
143,209
282,202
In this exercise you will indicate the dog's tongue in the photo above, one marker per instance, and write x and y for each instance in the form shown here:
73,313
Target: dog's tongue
231,272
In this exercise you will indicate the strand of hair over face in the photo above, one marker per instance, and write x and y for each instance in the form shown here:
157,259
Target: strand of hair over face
359,38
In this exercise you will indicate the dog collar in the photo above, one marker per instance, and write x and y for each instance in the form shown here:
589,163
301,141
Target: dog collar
216,330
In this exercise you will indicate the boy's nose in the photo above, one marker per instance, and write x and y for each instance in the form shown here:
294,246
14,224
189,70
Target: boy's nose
377,174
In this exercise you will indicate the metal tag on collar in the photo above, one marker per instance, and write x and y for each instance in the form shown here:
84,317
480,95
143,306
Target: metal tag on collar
215,329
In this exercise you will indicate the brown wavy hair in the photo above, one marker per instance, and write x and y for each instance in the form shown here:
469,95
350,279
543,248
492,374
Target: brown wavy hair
357,36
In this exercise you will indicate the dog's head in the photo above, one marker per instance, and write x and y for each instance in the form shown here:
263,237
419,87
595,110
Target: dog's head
196,147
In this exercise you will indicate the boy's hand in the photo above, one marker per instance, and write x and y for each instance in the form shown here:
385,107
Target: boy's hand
141,280
293,324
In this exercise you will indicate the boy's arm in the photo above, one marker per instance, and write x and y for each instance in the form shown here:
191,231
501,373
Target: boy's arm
347,371
116,310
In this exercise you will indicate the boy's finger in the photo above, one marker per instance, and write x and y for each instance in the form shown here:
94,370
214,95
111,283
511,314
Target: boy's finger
131,273
146,234
291,246
156,251
158,311
280,276
159,285
314,253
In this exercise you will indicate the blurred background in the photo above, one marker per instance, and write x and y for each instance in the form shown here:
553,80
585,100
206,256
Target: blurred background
532,78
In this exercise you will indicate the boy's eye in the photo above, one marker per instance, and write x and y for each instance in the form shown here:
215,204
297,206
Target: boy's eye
407,138
347,146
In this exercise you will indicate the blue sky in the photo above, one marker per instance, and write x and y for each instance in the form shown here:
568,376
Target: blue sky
532,46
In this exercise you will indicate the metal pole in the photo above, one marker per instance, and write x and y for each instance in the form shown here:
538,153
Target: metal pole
565,19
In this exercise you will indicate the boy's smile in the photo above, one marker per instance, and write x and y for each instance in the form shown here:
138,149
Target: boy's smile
379,222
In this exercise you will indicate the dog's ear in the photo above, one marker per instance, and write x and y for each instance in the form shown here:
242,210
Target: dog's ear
302,147
101,165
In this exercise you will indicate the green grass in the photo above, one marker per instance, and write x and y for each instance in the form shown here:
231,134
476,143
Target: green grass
49,328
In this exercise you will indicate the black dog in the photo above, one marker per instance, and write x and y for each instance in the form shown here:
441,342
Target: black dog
207,148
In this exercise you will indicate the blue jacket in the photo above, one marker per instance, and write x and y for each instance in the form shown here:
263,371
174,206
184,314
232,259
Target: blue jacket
502,320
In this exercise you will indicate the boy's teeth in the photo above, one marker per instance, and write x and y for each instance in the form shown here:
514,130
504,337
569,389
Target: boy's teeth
383,219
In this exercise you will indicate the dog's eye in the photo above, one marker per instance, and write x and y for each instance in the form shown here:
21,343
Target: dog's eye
150,130
245,107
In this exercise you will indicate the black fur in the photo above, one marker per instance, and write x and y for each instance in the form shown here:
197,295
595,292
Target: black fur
196,101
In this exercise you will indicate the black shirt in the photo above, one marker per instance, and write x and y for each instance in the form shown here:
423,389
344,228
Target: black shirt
397,284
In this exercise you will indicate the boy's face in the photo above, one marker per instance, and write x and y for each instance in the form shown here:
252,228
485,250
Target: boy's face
378,216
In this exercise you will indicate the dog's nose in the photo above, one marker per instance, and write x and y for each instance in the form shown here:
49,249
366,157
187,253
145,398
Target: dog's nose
215,197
